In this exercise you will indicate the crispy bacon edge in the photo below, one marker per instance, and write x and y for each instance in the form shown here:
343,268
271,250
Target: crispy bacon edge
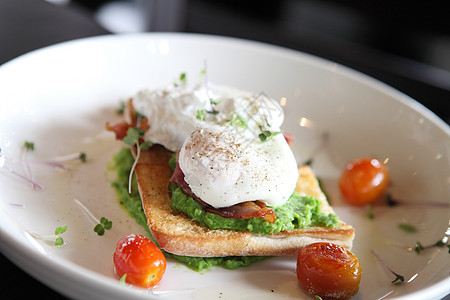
132,120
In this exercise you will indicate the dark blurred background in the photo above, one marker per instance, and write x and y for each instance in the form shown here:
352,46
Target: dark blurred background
405,44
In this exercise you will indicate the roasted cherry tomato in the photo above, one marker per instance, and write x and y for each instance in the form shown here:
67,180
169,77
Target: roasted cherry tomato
328,271
364,180
140,259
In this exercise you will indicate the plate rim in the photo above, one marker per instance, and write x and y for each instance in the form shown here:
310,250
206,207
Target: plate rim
317,60
94,279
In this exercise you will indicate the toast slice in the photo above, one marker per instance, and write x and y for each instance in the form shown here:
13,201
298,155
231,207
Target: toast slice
178,234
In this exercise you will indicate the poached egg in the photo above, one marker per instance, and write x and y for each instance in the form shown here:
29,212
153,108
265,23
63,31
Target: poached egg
231,149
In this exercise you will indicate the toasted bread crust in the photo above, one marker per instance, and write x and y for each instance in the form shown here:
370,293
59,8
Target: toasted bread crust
178,234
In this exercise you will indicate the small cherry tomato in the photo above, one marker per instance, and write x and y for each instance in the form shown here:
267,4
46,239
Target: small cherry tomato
140,259
328,270
364,180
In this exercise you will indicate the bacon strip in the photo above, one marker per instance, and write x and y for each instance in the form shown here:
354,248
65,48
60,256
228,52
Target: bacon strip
132,119
120,129
245,210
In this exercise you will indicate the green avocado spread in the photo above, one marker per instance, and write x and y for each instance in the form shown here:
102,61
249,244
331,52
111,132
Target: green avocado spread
297,212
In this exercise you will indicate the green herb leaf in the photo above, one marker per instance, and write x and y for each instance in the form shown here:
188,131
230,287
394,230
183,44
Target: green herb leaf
183,77
132,136
238,120
121,108
407,227
262,137
99,229
123,279
318,297
60,229
398,280
146,145
309,162
83,157
200,114
29,145
59,241
265,135
441,243
213,101
418,248
104,224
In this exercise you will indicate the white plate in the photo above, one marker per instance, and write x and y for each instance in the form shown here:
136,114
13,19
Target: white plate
60,98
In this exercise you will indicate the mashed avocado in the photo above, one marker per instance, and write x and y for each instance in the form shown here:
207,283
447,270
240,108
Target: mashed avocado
297,212
123,161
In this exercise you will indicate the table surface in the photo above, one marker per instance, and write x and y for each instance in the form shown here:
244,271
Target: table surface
28,25
25,26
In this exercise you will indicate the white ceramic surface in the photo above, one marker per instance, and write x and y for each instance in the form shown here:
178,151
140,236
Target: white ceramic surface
60,98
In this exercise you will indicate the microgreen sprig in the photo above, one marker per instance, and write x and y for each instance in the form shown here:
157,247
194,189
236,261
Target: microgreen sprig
101,225
58,231
56,239
238,120
399,279
419,248
132,139
83,157
181,79
4,166
266,135
29,146
56,161
200,115
123,279
406,227
212,101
